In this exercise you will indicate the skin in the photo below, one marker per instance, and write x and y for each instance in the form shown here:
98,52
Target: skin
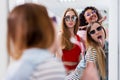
97,34
92,16
70,24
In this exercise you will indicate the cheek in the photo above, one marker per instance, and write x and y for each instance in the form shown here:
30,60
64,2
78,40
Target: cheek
87,19
96,16
74,23
66,23
94,37
103,34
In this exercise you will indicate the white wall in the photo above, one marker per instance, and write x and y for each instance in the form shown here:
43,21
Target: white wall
119,40
113,40
3,51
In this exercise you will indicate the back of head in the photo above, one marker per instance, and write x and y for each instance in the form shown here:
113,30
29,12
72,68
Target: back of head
29,26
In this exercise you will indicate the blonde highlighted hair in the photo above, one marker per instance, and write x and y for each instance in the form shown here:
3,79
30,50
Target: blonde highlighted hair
99,50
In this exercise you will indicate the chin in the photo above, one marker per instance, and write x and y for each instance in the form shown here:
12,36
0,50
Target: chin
71,26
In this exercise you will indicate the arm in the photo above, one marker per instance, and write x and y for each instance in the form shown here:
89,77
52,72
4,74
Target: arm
85,68
103,19
59,49
90,72
76,75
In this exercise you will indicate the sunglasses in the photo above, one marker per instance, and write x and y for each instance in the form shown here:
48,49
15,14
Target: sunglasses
89,14
97,29
82,28
72,18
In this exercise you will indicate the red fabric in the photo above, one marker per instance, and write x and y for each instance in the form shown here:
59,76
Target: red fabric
72,55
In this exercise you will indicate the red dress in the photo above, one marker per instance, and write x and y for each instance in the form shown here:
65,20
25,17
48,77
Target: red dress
72,55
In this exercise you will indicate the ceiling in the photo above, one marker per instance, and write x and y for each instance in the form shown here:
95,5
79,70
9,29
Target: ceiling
57,8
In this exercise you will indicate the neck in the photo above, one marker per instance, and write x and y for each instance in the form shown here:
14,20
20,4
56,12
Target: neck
72,31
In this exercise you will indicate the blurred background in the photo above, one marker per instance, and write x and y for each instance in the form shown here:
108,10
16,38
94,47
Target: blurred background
56,9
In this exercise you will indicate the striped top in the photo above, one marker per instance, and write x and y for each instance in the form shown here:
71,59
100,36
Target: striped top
50,69
91,55
36,64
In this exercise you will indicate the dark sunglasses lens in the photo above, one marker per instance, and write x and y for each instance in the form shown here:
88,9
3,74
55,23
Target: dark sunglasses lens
82,28
92,32
99,28
88,14
93,11
67,18
73,18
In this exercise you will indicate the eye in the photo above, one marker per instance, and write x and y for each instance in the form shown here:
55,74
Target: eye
88,14
93,11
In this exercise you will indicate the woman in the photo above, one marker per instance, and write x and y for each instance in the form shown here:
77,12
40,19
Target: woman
94,66
71,52
88,15
30,35
95,56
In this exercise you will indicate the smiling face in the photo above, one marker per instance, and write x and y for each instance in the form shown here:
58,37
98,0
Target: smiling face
70,19
90,16
97,33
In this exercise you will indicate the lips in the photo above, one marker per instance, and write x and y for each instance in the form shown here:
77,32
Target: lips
70,23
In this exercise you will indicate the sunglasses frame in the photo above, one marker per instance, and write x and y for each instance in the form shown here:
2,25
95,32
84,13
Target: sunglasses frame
85,28
99,28
93,12
72,18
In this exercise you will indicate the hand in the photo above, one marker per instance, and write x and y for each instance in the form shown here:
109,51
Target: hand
103,19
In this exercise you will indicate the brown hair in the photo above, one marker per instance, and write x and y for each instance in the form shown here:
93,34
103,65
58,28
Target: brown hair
29,26
100,53
65,41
